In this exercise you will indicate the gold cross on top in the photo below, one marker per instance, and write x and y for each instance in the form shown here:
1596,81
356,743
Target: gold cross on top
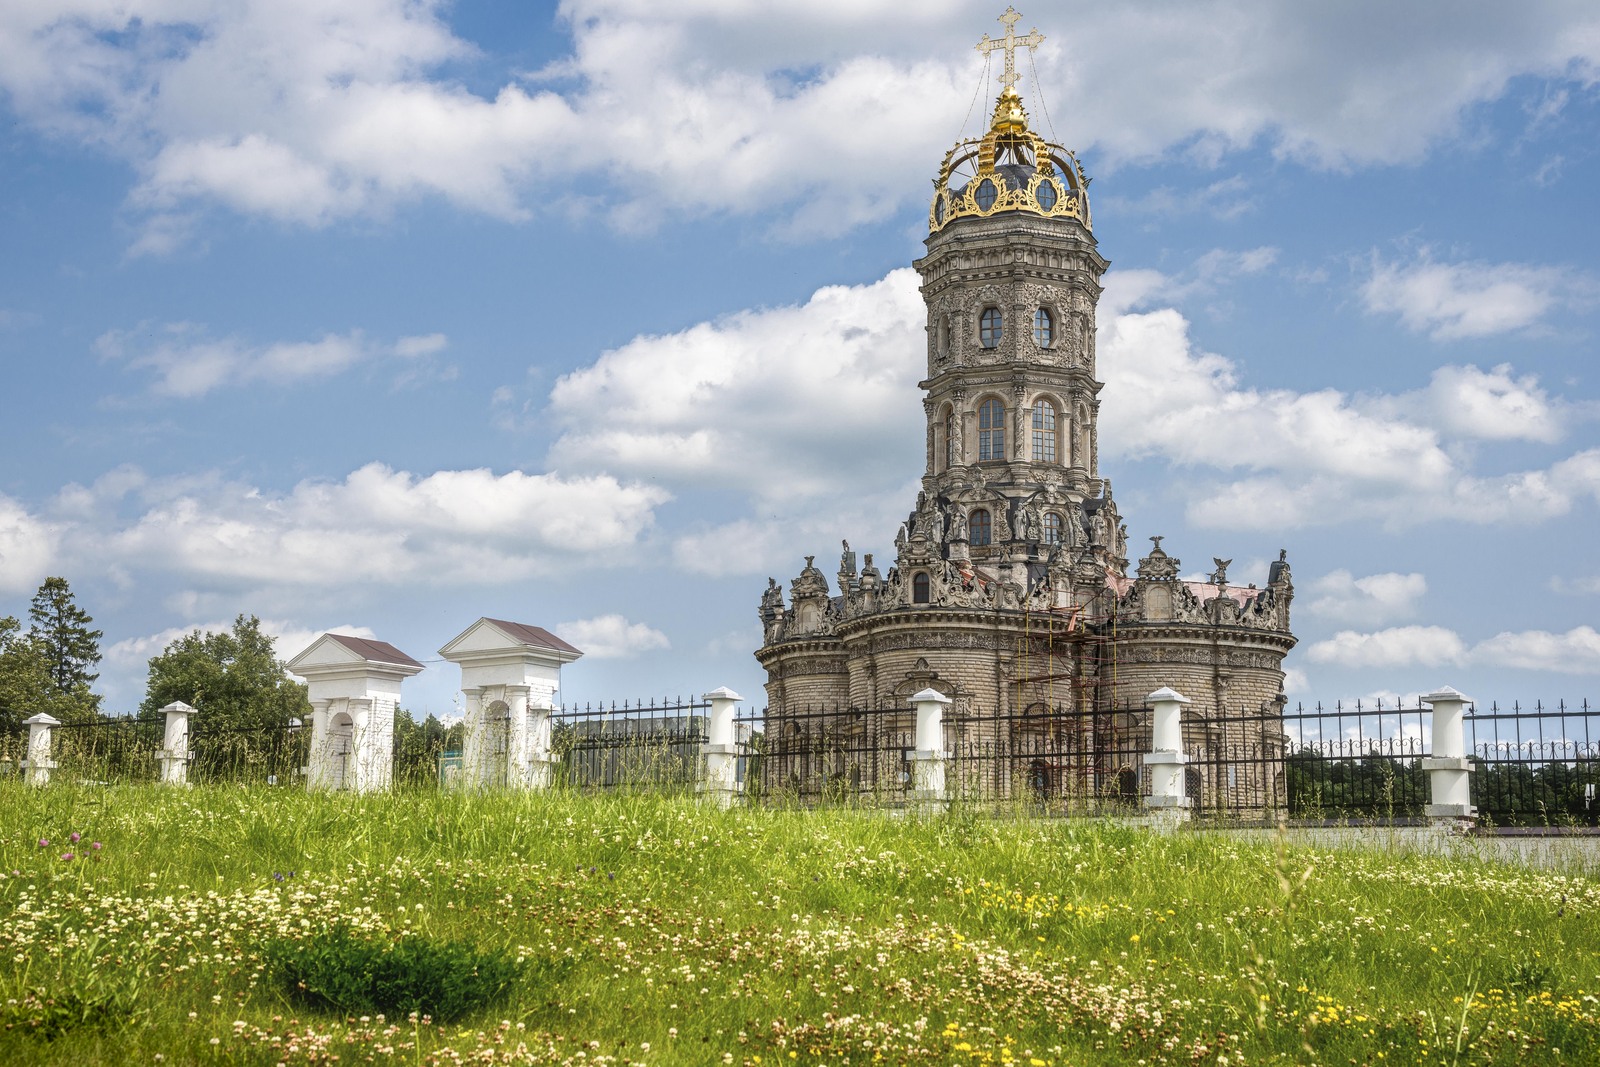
1010,42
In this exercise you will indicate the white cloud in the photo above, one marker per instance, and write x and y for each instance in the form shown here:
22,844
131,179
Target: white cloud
27,547
783,402
290,639
611,637
1493,405
1374,599
1575,652
188,363
1400,646
1323,456
377,525
815,117
1449,301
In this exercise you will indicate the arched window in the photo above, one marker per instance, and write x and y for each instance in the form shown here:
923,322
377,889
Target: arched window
1044,431
989,329
1052,528
919,588
949,439
1044,328
979,530
991,430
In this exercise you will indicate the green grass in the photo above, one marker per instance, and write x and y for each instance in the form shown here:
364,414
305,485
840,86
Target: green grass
641,929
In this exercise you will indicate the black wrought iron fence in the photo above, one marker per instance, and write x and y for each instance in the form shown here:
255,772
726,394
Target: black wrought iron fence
828,755
1347,761
632,745
1057,759
1535,766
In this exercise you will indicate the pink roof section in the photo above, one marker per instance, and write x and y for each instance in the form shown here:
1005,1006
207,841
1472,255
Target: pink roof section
376,651
537,636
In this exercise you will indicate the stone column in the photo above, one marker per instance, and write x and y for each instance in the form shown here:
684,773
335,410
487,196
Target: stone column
1166,759
541,750
927,759
1449,769
175,744
371,761
39,747
319,764
720,753
516,698
472,739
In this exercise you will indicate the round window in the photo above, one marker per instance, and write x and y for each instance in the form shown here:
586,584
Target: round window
1047,194
985,195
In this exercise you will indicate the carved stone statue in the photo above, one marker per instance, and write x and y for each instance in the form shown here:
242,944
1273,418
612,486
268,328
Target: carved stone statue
1219,577
847,560
1033,524
958,525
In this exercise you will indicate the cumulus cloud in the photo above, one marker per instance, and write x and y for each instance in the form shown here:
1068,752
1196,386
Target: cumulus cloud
187,362
788,402
1376,598
289,640
376,525
1323,456
612,637
1575,652
1400,646
27,547
817,117
1449,301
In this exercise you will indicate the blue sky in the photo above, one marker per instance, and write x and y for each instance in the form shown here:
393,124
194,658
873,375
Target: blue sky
387,314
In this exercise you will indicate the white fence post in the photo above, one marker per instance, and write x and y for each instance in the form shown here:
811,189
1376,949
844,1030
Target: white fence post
175,744
1166,759
1449,769
720,753
39,763
928,758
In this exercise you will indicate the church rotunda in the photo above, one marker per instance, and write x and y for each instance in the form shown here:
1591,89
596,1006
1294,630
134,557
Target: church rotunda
1009,589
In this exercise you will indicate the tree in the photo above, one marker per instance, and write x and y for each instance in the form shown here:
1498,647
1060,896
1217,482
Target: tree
233,679
62,631
26,687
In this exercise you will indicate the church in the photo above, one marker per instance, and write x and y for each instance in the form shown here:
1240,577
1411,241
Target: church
1009,591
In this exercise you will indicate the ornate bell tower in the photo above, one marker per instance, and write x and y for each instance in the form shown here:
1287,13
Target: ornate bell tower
1011,279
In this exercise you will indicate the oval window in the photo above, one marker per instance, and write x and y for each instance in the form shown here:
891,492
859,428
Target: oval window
1047,194
938,209
985,195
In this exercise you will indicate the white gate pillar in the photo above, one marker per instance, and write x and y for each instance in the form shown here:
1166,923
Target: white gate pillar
720,753
39,763
1449,769
360,678
928,758
1166,759
523,664
175,744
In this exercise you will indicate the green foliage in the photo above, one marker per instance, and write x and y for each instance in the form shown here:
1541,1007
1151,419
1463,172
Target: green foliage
62,630
26,686
360,976
418,746
233,678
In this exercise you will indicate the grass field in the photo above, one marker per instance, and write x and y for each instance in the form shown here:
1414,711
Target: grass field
640,929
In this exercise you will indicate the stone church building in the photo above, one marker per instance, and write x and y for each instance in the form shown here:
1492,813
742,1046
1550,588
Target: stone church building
1009,590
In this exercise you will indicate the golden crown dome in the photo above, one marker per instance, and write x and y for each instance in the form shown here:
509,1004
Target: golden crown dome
1009,168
